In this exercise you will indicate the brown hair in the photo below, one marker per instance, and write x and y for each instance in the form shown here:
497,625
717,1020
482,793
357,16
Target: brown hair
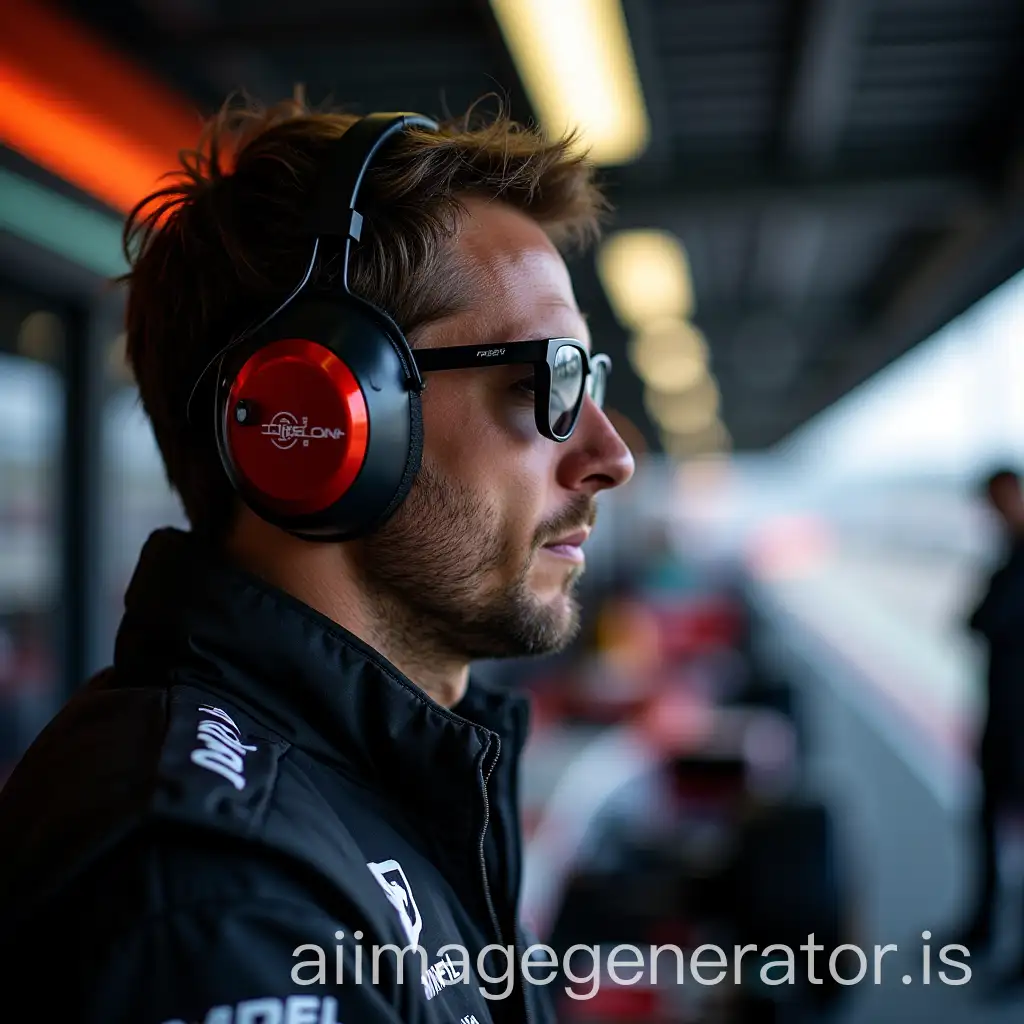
220,248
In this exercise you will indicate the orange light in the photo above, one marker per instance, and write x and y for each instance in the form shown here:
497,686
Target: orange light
75,107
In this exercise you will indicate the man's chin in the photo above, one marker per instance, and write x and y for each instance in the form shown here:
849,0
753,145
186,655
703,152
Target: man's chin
565,611
533,628
561,614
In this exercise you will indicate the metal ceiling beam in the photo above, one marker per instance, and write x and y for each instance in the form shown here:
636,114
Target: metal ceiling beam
928,199
335,29
507,79
822,81
986,250
785,249
645,40
985,240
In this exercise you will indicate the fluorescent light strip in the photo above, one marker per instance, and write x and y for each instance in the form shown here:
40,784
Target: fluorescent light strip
671,356
61,225
576,63
687,413
714,440
646,276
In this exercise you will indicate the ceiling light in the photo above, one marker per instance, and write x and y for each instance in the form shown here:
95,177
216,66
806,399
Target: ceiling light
576,63
713,440
686,413
646,276
671,356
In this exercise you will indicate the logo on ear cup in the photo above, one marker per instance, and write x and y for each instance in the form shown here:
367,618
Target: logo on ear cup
302,438
285,430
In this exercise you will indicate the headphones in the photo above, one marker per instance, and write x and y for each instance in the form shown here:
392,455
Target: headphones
316,411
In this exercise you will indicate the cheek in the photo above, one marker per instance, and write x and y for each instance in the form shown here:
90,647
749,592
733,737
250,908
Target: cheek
522,501
466,408
461,432
508,469
450,415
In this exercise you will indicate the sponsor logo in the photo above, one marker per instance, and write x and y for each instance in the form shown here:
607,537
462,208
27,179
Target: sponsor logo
490,353
292,1010
285,429
221,749
396,887
440,974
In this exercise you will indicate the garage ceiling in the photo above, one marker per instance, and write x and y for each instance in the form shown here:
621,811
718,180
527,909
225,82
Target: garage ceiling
846,175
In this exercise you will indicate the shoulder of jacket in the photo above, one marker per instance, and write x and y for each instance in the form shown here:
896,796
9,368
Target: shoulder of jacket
218,766
221,769
119,759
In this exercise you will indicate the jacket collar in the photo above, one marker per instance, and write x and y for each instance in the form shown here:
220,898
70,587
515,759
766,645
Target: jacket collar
188,611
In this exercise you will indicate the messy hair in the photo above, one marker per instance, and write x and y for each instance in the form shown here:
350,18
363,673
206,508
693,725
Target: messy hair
221,246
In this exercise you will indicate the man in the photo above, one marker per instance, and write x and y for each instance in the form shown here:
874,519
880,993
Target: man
999,620
287,751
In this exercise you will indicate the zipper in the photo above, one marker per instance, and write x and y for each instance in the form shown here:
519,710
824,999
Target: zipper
488,898
485,777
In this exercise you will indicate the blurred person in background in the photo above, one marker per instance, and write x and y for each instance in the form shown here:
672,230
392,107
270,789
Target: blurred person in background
288,750
999,620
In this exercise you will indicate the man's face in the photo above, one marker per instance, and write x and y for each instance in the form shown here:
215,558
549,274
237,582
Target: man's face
470,562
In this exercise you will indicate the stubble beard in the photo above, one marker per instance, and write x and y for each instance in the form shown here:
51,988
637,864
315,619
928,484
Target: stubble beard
430,573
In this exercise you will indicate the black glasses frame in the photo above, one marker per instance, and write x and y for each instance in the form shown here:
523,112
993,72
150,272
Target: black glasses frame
541,355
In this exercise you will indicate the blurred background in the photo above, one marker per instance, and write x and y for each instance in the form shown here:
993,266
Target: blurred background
813,293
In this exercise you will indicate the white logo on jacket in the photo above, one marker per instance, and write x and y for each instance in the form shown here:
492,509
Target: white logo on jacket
396,887
291,1010
222,750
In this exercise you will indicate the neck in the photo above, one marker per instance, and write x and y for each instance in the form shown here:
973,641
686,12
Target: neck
323,577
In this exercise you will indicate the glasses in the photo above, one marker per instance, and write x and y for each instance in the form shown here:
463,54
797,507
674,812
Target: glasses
564,374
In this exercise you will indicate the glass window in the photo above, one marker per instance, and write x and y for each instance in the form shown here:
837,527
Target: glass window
32,336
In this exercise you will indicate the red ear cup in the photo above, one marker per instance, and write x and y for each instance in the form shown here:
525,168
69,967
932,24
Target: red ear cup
296,427
318,421
317,415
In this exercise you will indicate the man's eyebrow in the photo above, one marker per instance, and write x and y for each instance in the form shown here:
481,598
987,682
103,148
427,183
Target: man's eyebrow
572,307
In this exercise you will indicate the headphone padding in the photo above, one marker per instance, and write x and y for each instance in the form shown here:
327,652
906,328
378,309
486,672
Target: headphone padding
412,463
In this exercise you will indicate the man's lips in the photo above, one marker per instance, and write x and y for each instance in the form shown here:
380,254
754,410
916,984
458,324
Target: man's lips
569,546
570,540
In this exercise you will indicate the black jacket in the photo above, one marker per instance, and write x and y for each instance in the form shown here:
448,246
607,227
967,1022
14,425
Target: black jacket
999,618
249,778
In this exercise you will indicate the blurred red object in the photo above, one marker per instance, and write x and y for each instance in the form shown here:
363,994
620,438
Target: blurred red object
618,1003
677,721
697,625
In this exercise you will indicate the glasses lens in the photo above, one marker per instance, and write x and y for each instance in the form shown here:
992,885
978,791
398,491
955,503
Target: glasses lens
597,382
566,390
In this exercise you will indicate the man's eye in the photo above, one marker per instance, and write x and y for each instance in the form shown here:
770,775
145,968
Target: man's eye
526,384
